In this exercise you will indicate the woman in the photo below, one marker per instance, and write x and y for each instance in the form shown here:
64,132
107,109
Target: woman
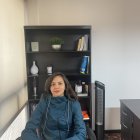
58,115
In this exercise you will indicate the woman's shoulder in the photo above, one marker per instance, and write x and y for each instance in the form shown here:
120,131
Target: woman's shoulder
75,106
44,99
74,103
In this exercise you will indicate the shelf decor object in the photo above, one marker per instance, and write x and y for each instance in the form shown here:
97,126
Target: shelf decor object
35,46
34,87
56,43
34,69
49,70
56,47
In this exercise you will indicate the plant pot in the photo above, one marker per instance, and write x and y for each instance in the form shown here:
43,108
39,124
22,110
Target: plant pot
56,47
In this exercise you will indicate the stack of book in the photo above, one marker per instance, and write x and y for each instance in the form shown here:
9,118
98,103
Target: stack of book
83,43
85,115
82,94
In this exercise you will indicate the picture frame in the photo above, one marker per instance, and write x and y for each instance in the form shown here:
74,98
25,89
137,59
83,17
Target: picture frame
35,46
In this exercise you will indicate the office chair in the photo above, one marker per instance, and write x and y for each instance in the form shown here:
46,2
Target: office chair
90,134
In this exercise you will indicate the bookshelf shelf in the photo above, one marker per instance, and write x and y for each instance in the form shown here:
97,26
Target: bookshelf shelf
66,73
68,60
75,52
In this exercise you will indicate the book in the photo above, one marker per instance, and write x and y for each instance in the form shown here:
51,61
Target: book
82,43
85,115
79,45
82,94
86,88
84,64
85,46
87,66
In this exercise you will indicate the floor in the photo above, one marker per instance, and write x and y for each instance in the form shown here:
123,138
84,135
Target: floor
113,136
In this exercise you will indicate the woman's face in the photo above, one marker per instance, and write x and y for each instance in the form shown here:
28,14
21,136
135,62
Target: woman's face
57,86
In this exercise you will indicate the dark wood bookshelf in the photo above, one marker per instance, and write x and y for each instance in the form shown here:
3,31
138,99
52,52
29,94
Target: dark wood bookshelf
67,60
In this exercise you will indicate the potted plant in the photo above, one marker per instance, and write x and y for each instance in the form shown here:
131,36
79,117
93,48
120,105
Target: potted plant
56,43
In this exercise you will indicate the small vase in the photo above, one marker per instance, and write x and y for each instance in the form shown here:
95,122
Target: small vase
34,69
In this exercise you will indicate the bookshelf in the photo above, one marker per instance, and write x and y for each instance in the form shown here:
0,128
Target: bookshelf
68,60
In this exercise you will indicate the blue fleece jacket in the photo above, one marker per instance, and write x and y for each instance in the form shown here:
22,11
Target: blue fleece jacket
59,118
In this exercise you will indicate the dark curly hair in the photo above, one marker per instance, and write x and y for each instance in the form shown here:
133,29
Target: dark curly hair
69,92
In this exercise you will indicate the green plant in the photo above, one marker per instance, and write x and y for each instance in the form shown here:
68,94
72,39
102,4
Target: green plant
56,41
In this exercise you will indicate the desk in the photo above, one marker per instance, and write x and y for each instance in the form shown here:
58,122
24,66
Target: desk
130,119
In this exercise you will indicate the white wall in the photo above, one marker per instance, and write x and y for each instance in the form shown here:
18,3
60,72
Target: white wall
115,42
13,91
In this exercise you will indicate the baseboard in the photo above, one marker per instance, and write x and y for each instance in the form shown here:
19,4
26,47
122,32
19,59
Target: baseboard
113,131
